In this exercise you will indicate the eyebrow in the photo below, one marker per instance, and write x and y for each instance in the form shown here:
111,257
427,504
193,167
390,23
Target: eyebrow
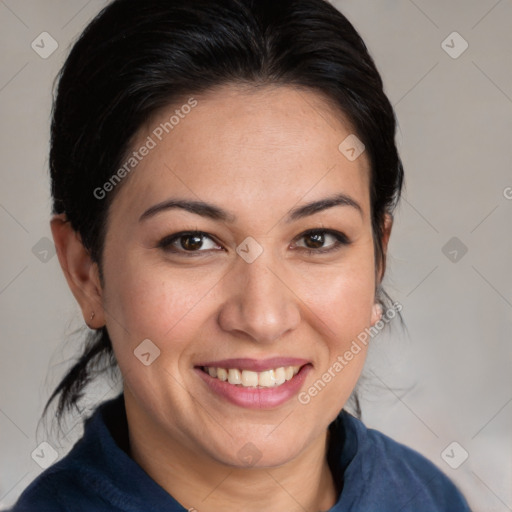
323,204
216,213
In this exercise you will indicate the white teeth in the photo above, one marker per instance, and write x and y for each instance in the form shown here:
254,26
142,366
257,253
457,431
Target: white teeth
234,376
267,379
247,378
280,376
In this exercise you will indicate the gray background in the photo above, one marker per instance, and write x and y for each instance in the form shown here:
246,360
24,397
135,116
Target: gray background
448,376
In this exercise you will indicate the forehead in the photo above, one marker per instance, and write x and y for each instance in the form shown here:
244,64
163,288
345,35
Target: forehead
248,147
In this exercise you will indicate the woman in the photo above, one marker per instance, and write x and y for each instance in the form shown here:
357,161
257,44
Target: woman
224,175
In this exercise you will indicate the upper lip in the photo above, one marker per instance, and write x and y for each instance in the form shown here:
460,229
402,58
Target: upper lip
255,365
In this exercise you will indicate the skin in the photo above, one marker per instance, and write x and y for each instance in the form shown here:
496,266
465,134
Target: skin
257,153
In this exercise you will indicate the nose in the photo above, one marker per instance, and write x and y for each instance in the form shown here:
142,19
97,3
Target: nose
261,304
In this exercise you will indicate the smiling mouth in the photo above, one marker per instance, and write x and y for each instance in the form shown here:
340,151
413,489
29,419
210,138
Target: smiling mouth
249,379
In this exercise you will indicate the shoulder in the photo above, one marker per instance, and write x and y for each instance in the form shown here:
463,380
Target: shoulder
71,483
43,494
393,475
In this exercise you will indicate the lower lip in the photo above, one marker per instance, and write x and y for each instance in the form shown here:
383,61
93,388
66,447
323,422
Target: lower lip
256,398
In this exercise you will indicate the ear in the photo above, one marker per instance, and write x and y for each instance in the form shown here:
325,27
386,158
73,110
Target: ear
386,233
82,274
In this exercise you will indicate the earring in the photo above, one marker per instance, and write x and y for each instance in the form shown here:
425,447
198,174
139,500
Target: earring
378,310
92,316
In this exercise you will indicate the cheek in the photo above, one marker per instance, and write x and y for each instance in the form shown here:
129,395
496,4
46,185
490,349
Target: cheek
345,312
148,301
344,316
342,295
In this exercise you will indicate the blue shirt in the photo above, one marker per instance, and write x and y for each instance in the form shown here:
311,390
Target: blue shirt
373,474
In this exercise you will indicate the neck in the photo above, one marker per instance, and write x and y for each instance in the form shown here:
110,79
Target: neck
202,484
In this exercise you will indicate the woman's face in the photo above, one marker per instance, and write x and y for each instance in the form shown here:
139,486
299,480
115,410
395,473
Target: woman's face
253,294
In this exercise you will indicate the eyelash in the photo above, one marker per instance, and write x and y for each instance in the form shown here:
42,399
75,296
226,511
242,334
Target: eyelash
341,240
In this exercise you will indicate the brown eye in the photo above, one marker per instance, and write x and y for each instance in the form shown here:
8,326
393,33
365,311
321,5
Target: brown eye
188,242
191,242
321,241
314,240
